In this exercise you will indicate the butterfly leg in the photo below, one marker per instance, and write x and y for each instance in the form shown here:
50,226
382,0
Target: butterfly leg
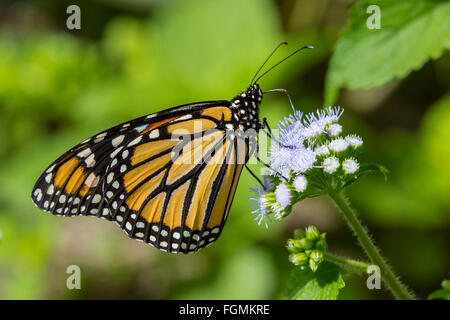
254,176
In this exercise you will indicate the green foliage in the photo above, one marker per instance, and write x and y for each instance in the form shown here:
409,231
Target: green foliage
443,293
411,33
420,177
324,284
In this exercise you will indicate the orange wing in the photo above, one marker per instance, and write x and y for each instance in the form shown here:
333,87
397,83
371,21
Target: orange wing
167,179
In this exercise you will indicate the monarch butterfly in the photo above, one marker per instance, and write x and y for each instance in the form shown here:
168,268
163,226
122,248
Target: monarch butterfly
168,178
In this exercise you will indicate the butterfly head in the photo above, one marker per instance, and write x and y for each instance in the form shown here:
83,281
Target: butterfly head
246,108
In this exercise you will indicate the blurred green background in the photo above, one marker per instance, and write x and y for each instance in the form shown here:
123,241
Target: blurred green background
132,58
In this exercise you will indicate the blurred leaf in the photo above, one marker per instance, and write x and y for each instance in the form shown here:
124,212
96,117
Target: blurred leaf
411,33
324,284
443,293
246,274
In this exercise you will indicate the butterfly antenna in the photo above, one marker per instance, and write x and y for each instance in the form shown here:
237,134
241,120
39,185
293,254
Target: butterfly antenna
293,53
270,55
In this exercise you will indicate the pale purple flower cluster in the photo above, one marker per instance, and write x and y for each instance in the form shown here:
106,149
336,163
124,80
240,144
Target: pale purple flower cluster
308,145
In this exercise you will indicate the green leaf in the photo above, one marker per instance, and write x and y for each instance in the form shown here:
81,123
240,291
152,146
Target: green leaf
324,284
443,293
411,33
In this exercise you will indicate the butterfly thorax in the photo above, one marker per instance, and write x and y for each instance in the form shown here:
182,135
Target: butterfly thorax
245,108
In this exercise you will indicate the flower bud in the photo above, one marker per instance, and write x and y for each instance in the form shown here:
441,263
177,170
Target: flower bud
312,233
307,248
299,259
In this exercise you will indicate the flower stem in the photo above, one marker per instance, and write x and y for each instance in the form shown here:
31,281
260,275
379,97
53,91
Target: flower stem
397,288
346,262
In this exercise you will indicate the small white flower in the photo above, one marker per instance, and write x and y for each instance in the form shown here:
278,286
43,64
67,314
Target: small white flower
283,195
354,141
334,129
300,183
350,166
330,164
260,207
322,150
338,145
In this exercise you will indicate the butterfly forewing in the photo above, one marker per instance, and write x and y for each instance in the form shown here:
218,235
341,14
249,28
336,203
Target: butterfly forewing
167,179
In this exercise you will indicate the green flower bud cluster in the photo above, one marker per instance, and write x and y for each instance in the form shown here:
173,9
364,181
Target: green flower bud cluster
307,248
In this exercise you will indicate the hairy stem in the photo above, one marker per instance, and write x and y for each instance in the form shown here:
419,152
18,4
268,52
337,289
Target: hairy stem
397,288
346,262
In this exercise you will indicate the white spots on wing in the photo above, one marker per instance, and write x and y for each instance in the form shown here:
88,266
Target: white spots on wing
174,245
125,154
122,209
215,230
114,162
105,211
154,134
95,199
116,184
164,233
141,128
76,201
109,194
110,177
38,194
46,204
139,235
119,218
176,235
92,180
155,228
117,141
183,245
126,125
74,210
133,216
50,169
62,199
151,115
140,225
163,244
115,152
94,211
128,226
84,153
196,237
135,141
186,234
82,208
192,247
50,189
185,117
48,177
90,161
97,140
59,210
123,168
114,205
152,238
